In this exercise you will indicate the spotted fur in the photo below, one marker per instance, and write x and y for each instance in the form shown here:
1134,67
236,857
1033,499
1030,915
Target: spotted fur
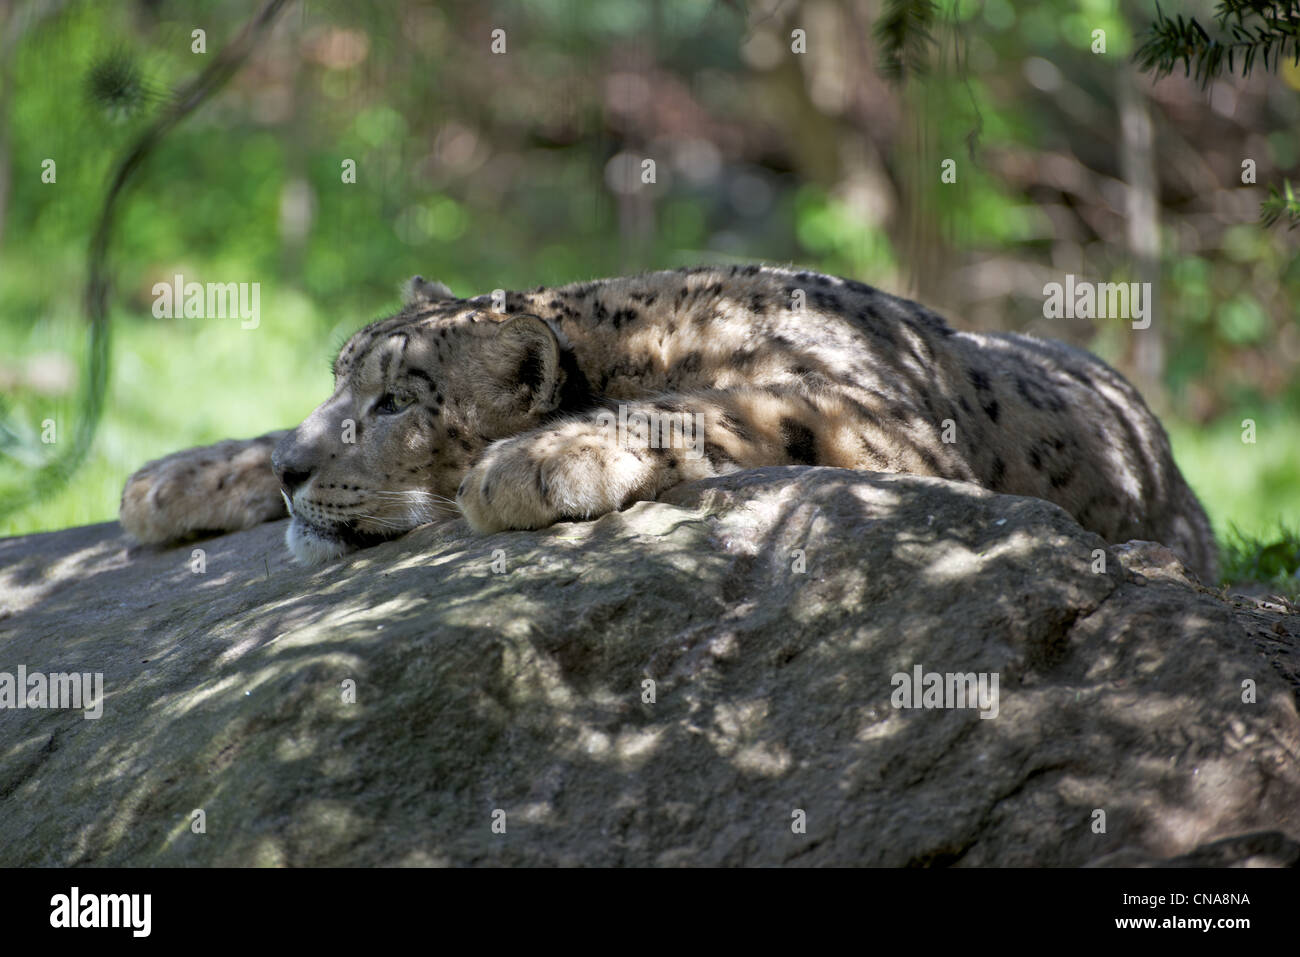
455,408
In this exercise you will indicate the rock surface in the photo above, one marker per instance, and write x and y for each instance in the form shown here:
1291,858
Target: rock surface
770,609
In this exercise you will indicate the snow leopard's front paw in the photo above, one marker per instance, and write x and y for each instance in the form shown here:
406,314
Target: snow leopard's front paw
215,488
562,474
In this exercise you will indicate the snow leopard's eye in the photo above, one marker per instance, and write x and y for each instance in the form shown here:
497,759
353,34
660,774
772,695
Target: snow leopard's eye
390,403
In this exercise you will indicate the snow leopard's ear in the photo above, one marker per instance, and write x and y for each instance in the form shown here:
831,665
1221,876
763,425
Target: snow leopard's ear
524,366
419,291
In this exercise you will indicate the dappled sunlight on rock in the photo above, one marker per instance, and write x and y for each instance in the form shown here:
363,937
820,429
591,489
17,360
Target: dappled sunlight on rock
952,564
653,687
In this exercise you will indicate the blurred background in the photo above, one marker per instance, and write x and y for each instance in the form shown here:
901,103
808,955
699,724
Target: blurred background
775,136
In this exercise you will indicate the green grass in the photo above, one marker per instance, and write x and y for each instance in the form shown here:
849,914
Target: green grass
1272,559
1252,486
1250,490
175,383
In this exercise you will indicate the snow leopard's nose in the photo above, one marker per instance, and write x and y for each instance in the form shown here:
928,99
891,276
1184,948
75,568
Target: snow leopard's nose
292,480
292,471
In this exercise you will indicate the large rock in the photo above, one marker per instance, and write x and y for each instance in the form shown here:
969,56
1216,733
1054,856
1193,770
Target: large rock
770,609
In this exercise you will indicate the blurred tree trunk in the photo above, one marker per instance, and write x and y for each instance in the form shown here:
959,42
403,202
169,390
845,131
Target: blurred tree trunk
637,221
1142,228
297,198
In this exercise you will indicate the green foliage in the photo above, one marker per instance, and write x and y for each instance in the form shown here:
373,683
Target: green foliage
116,86
1280,204
1255,30
904,35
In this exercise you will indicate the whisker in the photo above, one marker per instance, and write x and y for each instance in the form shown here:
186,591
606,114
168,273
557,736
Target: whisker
417,499
376,520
